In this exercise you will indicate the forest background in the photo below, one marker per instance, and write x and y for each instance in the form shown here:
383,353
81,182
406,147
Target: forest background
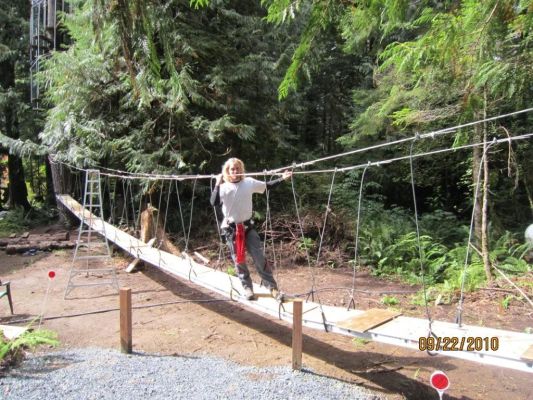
177,87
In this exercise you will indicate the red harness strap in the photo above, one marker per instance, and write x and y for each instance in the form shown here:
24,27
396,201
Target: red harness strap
240,244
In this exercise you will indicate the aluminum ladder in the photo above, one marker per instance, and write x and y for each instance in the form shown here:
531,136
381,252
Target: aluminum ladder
92,264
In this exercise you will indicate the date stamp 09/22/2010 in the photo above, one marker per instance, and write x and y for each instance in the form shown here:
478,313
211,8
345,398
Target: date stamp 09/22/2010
456,343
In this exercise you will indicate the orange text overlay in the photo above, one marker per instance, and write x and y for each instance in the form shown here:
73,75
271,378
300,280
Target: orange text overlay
456,343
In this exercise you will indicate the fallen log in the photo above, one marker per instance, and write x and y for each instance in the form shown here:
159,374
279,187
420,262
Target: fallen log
55,237
43,246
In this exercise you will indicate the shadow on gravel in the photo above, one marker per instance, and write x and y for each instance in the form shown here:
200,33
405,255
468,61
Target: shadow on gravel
43,365
15,318
146,355
359,363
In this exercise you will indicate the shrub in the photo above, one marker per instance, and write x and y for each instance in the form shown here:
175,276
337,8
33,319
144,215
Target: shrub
11,351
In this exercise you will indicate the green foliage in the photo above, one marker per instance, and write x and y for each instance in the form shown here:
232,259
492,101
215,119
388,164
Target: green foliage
508,254
440,65
403,258
506,301
359,25
231,271
159,86
360,342
305,244
443,226
480,45
153,86
199,3
14,221
19,123
10,350
390,300
17,220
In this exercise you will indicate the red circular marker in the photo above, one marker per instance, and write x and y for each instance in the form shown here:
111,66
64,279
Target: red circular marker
439,381
51,274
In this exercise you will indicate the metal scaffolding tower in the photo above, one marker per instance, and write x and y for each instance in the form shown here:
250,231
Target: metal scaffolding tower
44,36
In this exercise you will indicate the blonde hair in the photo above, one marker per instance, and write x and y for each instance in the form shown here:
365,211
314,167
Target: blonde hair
227,164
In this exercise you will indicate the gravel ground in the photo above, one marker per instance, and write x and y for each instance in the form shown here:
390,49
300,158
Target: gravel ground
108,374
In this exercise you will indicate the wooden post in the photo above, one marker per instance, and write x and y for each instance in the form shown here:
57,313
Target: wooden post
297,335
125,320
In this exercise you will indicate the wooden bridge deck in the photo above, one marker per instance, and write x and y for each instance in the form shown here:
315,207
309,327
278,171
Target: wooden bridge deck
510,349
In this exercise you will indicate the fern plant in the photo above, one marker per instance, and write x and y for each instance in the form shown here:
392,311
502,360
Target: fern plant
11,350
403,258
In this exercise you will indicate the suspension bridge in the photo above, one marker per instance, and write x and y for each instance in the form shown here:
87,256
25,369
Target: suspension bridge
475,343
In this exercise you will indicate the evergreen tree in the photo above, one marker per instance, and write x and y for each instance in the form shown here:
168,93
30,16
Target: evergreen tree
17,120
155,86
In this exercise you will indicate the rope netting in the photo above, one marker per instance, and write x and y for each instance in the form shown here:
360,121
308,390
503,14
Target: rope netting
127,194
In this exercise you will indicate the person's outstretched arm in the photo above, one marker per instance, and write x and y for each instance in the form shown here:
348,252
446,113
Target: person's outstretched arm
215,194
272,184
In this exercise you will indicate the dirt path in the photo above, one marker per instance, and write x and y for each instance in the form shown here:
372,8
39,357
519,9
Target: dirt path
197,322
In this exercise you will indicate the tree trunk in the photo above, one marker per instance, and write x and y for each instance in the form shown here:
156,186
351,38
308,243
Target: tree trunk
3,170
18,194
476,165
61,179
485,205
481,204
529,194
50,198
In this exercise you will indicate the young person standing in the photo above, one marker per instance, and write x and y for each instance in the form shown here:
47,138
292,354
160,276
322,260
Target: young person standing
234,191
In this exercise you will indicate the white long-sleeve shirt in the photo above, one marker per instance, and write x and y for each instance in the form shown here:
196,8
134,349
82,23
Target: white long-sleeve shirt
236,199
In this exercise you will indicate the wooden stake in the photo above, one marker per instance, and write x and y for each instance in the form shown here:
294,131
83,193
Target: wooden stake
297,335
125,320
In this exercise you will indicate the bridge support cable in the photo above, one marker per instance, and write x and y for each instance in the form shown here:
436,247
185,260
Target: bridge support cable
481,344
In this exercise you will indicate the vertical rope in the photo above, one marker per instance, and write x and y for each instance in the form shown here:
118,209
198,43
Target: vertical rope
181,212
220,240
138,219
268,224
190,218
130,190
267,211
313,286
419,245
167,206
459,315
124,215
110,197
303,236
357,227
326,215
159,206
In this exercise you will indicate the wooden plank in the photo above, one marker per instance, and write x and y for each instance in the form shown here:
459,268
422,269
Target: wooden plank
125,320
528,354
201,258
297,335
135,262
401,331
368,320
12,332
